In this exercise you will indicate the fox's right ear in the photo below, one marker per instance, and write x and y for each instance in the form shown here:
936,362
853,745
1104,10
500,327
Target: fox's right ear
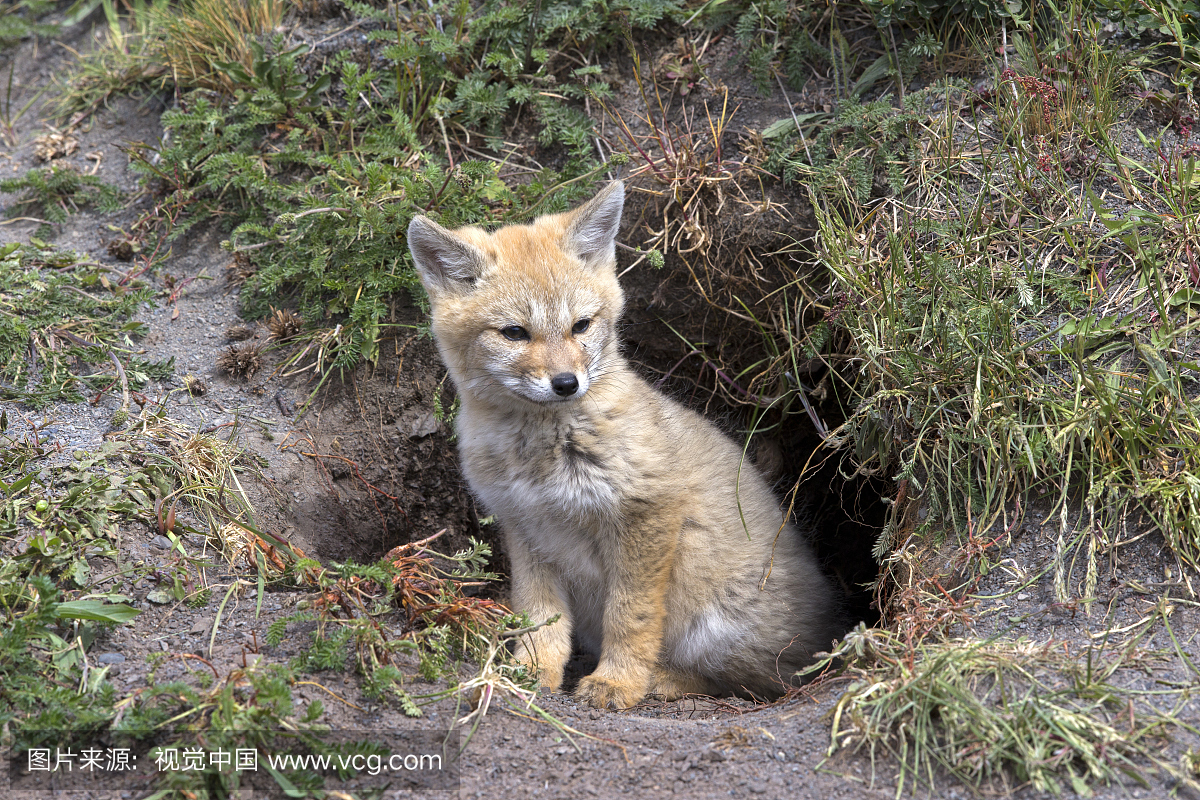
444,261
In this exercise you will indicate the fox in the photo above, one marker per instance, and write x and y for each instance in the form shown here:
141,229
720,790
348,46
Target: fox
627,516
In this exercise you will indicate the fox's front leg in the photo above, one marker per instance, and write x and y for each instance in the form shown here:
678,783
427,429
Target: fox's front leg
634,614
537,591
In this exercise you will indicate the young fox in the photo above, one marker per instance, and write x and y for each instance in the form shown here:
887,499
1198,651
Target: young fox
627,515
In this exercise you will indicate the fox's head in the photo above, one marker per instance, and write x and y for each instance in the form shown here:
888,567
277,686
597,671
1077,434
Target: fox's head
528,311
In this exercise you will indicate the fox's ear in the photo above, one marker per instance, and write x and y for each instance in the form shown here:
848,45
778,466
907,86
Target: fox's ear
444,261
592,232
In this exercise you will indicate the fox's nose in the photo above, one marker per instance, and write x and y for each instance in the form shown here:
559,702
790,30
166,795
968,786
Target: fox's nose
564,384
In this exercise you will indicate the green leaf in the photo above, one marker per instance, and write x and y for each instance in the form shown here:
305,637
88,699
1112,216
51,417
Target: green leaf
19,485
878,69
786,125
1185,297
95,610
289,788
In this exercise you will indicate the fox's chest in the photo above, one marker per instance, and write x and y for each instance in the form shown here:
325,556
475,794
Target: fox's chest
559,472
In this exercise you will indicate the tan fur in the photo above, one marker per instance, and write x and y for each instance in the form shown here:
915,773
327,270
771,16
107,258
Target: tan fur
622,510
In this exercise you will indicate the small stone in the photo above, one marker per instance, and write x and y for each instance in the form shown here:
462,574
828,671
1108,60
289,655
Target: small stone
757,787
421,424
110,658
161,542
160,597
1023,596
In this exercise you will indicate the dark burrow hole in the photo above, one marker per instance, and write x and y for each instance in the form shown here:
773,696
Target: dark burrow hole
843,514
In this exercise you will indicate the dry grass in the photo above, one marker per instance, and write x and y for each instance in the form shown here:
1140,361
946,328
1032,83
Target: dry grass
284,324
197,35
682,165
194,385
241,361
204,465
241,269
1001,715
153,45
240,332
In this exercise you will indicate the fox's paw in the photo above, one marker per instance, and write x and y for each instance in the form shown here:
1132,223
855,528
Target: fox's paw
549,679
674,685
549,675
600,692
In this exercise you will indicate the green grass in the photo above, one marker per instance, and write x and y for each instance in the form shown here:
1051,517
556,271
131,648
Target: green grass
998,331
54,521
56,192
23,18
996,358
998,715
441,624
61,318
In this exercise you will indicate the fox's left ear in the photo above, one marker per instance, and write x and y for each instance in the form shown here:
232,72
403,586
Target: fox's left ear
592,232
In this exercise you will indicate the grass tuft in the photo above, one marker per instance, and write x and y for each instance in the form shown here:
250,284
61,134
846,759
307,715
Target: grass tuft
198,36
284,324
56,192
241,361
997,715
60,316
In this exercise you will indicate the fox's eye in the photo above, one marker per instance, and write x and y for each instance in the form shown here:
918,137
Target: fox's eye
581,326
515,333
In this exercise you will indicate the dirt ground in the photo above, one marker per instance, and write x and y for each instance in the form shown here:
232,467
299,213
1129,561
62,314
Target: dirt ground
377,427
